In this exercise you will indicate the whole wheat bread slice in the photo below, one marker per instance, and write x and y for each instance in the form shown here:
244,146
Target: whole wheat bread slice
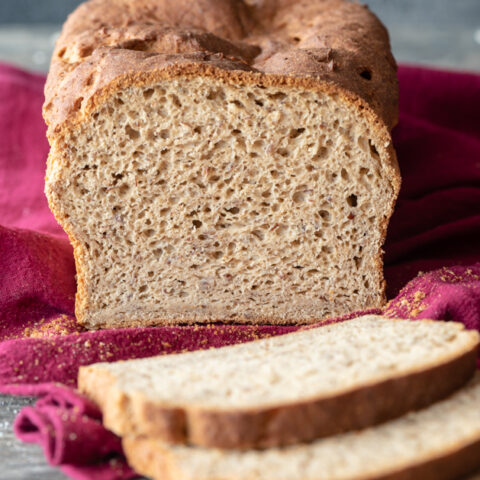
441,442
283,390
217,161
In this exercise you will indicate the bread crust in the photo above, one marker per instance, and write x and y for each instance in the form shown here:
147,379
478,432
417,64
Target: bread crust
328,41
277,425
331,47
148,457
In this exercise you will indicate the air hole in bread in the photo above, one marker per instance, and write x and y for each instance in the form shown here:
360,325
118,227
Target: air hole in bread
215,94
258,234
148,93
77,104
352,200
233,210
132,133
175,100
123,189
299,197
294,133
373,150
237,103
322,153
278,96
366,74
324,215
89,80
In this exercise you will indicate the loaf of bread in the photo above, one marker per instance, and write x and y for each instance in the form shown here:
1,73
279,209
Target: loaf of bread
222,160
441,442
286,389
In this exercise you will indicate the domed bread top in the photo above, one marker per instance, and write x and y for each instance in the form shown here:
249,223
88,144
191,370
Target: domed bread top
334,45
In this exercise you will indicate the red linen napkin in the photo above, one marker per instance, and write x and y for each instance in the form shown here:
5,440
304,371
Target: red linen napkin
436,224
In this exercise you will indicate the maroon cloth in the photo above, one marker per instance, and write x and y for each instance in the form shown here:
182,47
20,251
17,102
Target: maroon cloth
436,224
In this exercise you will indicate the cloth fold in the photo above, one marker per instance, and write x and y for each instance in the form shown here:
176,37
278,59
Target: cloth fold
69,428
446,294
68,425
435,229
72,436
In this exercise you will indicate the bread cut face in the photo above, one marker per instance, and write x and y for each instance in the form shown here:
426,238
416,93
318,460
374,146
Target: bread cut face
240,179
192,199
441,442
287,389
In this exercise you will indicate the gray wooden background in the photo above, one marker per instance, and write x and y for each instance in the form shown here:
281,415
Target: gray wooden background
442,33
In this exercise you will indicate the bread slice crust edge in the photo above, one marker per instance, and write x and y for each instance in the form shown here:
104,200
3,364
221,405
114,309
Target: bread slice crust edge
276,425
149,458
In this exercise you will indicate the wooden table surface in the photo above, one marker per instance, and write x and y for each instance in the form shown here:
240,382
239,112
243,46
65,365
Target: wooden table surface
30,46
20,461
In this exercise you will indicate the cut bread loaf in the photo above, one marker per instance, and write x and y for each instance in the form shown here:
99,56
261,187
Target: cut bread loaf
286,389
441,442
222,160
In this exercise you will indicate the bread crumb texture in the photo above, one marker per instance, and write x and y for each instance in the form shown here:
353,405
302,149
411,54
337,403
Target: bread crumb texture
352,354
222,161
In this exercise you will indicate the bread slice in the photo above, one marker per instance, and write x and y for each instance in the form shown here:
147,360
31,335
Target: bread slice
441,442
285,389
217,162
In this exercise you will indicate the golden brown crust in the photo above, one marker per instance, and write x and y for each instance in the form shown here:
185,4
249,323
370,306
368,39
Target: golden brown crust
281,425
328,40
147,457
451,466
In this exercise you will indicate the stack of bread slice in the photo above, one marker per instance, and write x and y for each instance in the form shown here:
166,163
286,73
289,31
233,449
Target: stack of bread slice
370,398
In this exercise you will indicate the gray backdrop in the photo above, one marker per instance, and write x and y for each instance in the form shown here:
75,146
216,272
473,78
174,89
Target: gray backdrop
443,33
441,13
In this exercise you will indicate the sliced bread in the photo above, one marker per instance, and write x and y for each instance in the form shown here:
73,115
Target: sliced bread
441,442
283,390
213,161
